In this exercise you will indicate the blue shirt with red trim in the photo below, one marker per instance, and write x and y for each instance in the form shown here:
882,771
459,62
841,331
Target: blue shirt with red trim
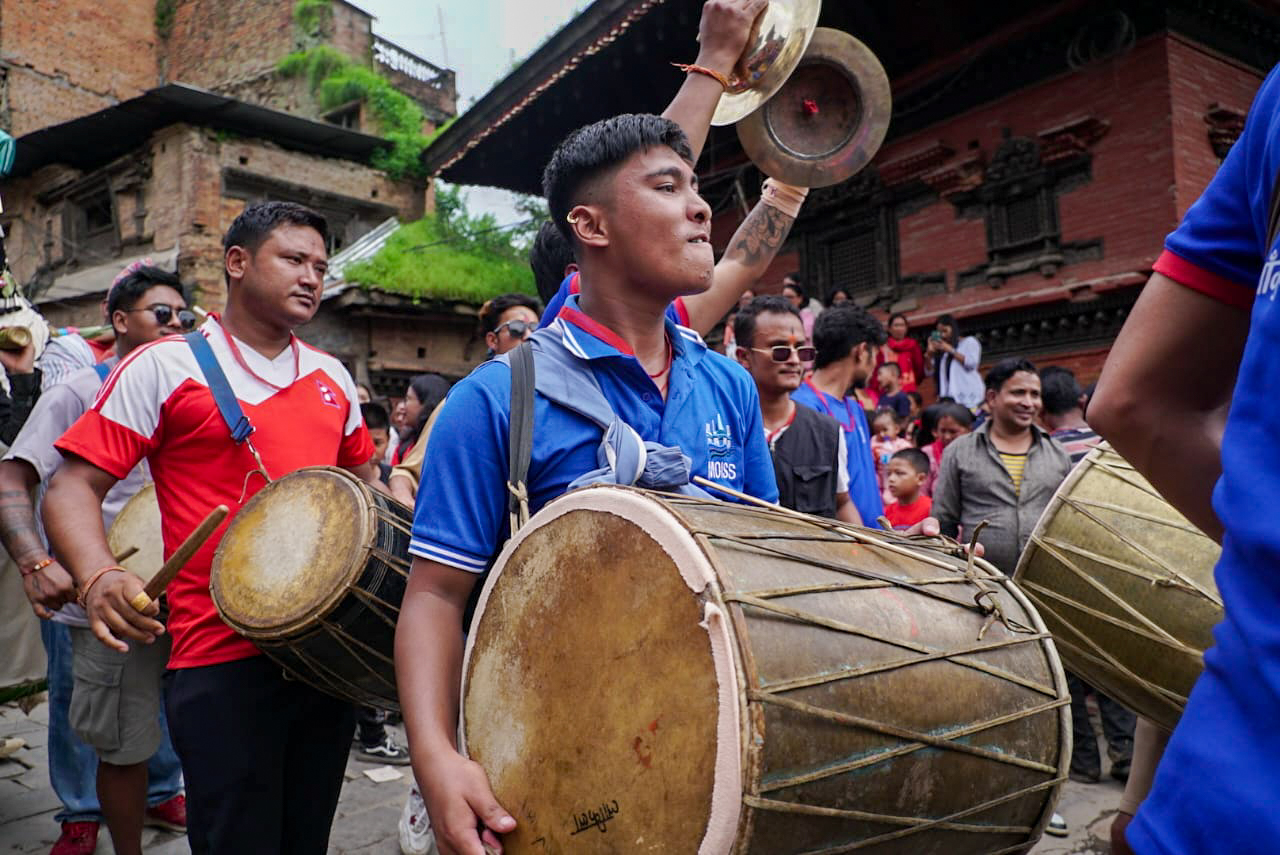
1215,788
676,312
864,489
712,413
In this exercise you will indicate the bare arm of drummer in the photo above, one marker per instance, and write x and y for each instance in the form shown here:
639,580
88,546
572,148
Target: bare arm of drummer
428,658
1163,396
722,36
73,522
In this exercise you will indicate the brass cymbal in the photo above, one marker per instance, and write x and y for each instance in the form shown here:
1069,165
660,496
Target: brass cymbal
827,120
777,42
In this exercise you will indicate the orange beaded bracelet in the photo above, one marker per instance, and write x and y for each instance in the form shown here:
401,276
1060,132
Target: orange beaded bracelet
37,567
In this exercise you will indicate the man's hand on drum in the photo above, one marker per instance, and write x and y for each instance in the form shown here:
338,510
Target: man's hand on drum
929,527
112,618
463,810
49,589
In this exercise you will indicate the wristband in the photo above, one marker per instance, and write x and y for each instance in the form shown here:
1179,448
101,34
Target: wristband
36,568
84,592
702,69
784,197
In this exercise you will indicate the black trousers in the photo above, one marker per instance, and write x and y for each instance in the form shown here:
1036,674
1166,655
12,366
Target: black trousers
263,758
1117,728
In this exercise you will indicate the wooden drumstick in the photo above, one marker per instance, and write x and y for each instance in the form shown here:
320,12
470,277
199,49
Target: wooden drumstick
180,557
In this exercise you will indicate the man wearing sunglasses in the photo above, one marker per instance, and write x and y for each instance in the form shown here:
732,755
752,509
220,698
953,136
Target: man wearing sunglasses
116,709
810,458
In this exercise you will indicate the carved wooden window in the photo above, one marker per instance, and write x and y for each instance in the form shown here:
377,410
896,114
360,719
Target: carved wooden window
854,266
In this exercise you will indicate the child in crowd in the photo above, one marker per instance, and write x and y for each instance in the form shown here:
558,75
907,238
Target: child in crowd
908,470
913,417
953,420
889,379
885,427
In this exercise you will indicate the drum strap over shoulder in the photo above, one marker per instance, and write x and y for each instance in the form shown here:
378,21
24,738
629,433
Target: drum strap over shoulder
237,422
520,445
624,457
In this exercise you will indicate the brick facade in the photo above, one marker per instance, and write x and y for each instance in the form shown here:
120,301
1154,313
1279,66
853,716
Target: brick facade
1140,117
181,192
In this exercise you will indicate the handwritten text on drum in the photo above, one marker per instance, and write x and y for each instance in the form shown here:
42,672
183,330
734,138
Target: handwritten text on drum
595,818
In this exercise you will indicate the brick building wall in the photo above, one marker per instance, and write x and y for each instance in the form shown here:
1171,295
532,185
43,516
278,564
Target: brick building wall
1199,79
184,189
1153,161
59,61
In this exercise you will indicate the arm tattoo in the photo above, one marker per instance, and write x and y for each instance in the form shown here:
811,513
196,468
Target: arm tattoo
18,530
760,236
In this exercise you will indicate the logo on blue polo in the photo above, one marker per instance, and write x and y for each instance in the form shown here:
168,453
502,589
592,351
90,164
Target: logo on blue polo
1269,282
720,445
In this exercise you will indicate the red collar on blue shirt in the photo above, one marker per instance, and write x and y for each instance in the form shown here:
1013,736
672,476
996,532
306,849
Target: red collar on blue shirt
590,339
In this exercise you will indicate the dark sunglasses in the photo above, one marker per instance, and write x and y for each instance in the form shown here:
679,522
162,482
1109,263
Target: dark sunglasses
164,314
517,329
782,352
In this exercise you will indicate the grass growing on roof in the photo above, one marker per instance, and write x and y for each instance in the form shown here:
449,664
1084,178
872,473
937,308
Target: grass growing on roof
423,260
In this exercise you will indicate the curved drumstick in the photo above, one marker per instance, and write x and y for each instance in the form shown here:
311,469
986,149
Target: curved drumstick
180,557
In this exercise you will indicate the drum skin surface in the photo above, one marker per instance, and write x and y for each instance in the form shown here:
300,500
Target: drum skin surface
648,673
1125,584
312,570
137,526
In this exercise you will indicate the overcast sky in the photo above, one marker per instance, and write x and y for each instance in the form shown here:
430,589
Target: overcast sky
482,40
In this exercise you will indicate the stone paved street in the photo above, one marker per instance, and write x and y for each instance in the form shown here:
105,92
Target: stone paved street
368,812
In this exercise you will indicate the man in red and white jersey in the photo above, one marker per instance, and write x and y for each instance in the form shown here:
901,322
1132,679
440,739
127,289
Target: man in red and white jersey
263,756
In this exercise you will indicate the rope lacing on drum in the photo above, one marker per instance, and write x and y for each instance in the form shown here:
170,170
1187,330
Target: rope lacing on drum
985,599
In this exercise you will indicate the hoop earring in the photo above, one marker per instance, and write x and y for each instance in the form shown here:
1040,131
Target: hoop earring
571,218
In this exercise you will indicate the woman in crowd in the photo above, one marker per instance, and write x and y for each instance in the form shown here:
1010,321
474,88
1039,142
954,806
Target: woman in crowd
902,349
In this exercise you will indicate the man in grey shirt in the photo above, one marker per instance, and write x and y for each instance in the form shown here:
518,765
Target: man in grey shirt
114,706
1004,472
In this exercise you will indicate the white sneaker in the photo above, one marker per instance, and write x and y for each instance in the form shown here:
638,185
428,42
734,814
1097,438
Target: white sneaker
416,837
1057,826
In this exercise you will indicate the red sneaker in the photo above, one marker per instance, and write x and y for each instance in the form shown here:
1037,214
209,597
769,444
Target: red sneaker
170,815
77,838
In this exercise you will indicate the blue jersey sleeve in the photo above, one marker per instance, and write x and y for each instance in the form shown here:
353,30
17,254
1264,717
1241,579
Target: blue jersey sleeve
1219,246
459,517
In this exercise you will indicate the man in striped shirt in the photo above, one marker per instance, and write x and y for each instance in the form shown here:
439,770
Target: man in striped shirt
1004,472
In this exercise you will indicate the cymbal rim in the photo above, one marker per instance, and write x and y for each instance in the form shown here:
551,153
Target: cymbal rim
869,82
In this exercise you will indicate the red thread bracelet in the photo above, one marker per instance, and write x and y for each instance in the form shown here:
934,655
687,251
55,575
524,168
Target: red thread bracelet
37,567
702,69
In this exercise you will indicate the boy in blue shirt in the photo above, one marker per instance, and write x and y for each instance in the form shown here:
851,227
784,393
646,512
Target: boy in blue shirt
625,193
1188,396
846,338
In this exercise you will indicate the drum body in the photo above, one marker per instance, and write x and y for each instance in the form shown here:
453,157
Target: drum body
312,570
1125,584
136,529
648,673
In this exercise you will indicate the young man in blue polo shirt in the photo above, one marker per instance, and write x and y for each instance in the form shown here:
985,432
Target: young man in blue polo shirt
1188,396
625,192
846,338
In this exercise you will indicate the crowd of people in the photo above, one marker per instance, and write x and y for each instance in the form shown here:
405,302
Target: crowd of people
173,719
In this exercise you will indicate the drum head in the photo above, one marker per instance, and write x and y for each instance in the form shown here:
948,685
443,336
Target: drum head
290,552
137,526
599,693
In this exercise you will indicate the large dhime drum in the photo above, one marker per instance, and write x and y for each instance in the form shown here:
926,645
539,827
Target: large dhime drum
312,570
1125,584
649,673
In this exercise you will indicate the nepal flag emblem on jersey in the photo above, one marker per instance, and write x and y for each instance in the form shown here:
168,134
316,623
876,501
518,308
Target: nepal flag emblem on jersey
326,395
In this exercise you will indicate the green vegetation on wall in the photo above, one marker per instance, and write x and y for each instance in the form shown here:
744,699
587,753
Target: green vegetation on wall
165,11
452,255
